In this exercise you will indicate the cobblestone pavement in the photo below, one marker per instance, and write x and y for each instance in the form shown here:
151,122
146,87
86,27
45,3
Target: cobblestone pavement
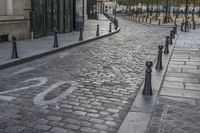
89,88
177,109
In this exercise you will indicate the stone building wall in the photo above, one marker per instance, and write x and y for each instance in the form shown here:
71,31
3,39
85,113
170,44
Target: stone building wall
15,18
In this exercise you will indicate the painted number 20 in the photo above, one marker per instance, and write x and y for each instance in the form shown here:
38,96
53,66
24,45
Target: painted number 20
39,98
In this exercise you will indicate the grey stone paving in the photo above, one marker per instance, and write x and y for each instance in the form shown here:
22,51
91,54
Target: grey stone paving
177,109
108,73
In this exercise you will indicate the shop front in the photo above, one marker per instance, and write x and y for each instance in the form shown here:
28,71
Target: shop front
92,9
65,15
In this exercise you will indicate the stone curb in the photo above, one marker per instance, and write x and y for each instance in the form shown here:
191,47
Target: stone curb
28,58
141,111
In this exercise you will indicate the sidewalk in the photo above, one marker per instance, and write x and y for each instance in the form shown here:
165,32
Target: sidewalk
178,105
30,49
175,104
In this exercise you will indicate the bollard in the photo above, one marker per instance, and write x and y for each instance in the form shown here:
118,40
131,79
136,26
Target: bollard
173,33
14,48
110,28
116,24
81,34
194,25
171,37
142,18
159,22
97,32
55,45
175,29
175,21
147,91
150,20
166,51
159,58
182,26
146,19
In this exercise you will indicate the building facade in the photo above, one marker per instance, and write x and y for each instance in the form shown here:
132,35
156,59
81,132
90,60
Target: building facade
14,19
105,6
36,18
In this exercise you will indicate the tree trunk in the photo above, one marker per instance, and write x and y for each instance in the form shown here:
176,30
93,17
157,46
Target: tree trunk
157,10
193,11
166,11
199,11
148,10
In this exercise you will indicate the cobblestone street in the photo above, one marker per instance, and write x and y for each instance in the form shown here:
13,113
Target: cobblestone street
87,89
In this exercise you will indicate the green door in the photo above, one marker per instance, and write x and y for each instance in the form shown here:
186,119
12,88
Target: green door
51,16
67,15
38,18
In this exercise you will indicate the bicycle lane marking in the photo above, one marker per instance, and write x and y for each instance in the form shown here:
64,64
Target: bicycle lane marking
42,80
39,99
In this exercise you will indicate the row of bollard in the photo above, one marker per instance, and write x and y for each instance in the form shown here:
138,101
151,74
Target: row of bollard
113,20
147,90
145,19
97,31
55,45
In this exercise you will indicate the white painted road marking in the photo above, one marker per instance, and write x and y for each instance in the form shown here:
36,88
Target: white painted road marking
42,80
39,99
7,98
27,69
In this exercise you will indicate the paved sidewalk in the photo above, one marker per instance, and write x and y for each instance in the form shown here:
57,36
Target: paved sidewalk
29,48
175,105
178,105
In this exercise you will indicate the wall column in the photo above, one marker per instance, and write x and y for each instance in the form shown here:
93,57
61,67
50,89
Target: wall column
9,7
85,9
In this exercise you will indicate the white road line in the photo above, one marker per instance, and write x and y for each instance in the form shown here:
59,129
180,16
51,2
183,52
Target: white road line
39,99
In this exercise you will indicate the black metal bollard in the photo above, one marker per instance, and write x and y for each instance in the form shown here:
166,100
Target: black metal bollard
150,20
14,48
81,34
147,91
110,28
97,32
159,22
159,58
146,19
175,29
175,21
173,34
182,26
171,38
166,51
194,25
116,24
55,45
